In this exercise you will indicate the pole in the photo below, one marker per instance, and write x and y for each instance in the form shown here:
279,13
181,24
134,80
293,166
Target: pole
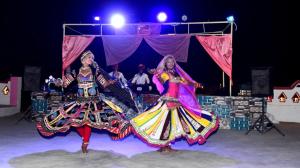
223,79
64,33
230,80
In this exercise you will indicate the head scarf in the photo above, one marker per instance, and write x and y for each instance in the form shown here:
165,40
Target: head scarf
187,95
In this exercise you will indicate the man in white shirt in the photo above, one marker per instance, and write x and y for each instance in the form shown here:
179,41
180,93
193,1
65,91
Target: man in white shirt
141,81
116,74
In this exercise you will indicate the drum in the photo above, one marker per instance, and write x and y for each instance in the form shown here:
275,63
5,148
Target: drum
39,102
39,105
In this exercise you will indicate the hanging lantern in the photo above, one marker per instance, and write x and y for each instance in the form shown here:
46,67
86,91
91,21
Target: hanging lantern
296,98
282,97
5,90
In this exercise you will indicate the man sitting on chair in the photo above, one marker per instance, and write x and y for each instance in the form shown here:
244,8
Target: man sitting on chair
140,81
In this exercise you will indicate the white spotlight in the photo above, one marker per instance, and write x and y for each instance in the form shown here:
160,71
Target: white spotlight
162,17
97,18
117,20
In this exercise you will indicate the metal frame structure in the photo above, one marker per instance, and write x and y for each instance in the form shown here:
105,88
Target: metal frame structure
228,24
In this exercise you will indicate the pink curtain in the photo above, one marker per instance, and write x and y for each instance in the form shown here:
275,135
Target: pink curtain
220,50
72,47
177,45
119,48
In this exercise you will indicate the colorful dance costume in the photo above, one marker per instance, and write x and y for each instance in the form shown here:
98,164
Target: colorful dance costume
89,110
176,114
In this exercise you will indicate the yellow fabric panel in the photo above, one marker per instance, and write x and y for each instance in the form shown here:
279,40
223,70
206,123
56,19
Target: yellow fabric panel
164,76
143,118
173,123
146,116
113,106
155,125
204,122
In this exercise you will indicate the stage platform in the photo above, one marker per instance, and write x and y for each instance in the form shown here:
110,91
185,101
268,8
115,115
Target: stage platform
21,146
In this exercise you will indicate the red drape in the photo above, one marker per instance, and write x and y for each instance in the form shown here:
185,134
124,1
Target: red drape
72,47
220,50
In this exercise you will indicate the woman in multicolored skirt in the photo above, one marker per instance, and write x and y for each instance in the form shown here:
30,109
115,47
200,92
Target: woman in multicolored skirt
177,113
90,109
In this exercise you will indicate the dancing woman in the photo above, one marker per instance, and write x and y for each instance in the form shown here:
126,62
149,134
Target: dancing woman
90,109
177,113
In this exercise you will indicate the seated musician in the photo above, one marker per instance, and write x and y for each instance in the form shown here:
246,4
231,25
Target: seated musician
140,81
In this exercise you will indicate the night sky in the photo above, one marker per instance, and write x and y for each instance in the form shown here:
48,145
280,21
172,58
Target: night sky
31,34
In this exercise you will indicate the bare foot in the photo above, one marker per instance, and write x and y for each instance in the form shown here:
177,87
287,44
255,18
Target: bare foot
167,149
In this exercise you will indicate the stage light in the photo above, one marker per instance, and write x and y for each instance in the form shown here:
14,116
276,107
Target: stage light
97,18
230,19
162,17
117,20
184,18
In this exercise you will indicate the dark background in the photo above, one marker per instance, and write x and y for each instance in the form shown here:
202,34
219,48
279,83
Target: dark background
31,34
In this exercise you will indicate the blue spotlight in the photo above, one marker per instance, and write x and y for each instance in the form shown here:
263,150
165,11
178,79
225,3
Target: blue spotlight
230,19
162,17
97,18
117,20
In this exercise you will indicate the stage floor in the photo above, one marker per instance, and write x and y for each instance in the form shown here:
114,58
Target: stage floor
21,146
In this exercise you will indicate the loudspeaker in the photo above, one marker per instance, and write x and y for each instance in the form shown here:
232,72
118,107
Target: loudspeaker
32,77
261,81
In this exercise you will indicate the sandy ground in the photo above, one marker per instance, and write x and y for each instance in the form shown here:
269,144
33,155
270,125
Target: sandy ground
21,146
